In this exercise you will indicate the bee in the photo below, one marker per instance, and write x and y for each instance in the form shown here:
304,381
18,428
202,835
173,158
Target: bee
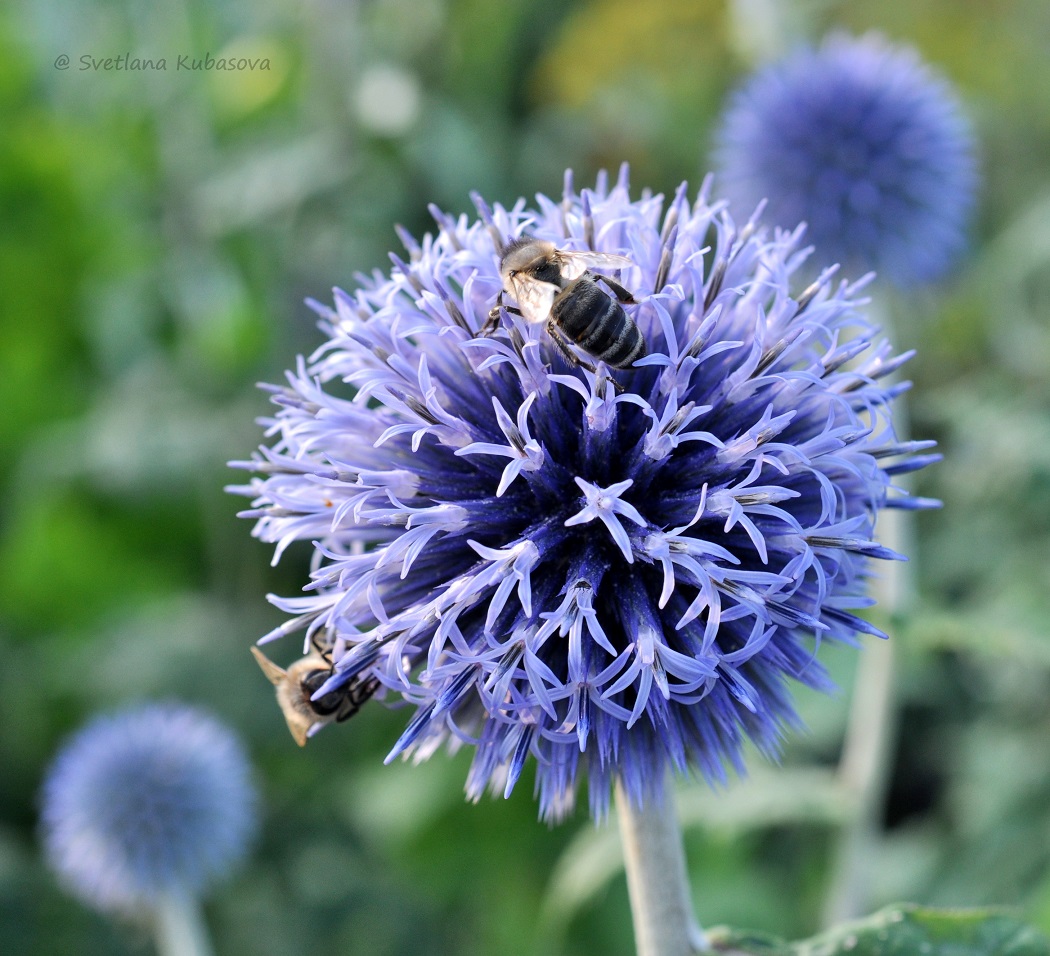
556,286
302,680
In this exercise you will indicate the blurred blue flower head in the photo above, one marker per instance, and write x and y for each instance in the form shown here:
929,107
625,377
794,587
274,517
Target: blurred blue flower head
149,801
615,579
866,144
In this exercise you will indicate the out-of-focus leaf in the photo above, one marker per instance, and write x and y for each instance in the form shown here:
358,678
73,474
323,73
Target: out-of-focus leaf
902,930
149,434
767,797
723,939
269,179
65,563
240,92
641,81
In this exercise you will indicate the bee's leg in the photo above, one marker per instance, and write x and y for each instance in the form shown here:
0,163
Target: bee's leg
570,357
356,696
490,324
556,337
618,290
493,320
323,649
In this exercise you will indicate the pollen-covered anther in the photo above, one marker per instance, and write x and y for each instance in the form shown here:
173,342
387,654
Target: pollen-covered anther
605,504
509,568
421,525
684,559
667,430
746,445
523,450
653,663
600,396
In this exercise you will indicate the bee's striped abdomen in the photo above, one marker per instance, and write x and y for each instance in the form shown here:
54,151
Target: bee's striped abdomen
598,324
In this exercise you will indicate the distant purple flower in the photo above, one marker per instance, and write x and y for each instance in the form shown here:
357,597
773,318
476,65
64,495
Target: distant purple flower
866,144
149,801
612,582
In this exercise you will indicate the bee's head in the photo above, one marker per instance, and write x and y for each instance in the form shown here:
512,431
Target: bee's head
526,254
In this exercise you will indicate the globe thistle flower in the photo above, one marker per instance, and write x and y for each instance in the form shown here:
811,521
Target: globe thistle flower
866,144
154,800
615,572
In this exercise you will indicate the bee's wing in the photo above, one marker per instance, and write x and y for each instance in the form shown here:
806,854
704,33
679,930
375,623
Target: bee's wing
534,297
574,264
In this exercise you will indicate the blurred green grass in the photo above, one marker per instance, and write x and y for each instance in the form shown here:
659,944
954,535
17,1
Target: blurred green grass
158,232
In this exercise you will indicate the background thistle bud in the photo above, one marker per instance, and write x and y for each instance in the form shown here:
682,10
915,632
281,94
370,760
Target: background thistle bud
866,144
150,801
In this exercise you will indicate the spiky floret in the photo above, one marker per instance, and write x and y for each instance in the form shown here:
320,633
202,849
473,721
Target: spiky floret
154,800
863,141
615,582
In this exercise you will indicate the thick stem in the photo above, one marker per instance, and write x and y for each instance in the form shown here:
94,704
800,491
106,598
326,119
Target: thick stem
661,902
179,927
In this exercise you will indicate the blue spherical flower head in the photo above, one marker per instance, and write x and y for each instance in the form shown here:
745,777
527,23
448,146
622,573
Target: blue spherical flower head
866,144
154,800
612,571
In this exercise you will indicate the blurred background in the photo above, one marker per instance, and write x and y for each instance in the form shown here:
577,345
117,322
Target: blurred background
159,232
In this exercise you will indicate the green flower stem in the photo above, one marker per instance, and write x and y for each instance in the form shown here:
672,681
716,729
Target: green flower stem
661,901
179,927
864,767
864,775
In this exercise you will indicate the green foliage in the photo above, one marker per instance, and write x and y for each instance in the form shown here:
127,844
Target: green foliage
158,232
901,931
